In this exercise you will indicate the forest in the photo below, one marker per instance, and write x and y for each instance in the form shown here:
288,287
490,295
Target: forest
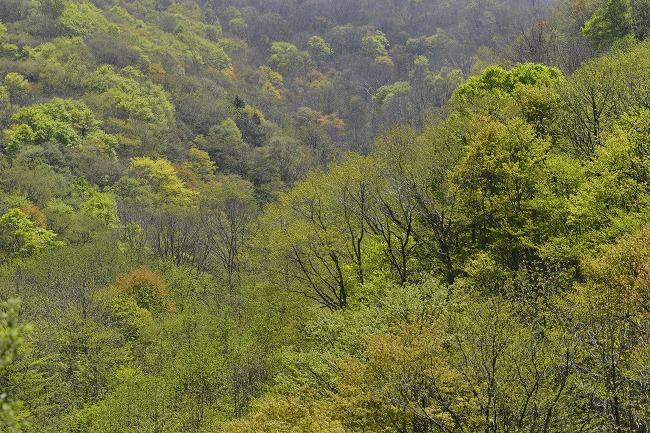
324,216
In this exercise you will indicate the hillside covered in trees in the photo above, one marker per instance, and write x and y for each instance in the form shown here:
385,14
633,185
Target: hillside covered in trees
388,216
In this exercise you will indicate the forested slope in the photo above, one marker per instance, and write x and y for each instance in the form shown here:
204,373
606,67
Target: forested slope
324,216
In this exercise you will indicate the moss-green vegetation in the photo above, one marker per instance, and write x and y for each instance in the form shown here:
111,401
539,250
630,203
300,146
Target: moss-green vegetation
324,216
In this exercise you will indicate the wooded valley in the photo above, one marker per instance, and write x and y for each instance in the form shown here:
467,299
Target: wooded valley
324,216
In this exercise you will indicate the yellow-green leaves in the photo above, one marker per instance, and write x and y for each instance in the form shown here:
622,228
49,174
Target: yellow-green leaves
12,334
129,95
299,238
147,289
496,79
80,18
496,183
102,206
287,59
319,48
20,236
289,415
64,121
608,317
615,195
6,49
18,86
201,165
375,44
598,93
386,93
611,21
157,181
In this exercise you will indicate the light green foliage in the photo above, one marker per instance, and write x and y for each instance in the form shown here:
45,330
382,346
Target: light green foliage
318,47
62,64
301,233
61,133
298,233
613,199
18,87
375,44
84,217
226,146
190,15
611,307
418,357
187,379
133,320
129,95
202,41
421,61
611,21
6,49
155,182
21,237
433,46
73,352
599,92
385,94
228,130
64,121
238,27
408,347
434,281
496,79
496,182
201,165
530,91
418,195
139,402
12,334
191,389
102,206
287,59
80,18
336,231
539,106
105,143
289,415
88,352
501,355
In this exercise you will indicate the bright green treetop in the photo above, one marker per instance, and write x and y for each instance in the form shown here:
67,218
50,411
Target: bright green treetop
22,237
611,21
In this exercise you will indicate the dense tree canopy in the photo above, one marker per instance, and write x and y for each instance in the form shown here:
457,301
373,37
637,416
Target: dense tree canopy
324,216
